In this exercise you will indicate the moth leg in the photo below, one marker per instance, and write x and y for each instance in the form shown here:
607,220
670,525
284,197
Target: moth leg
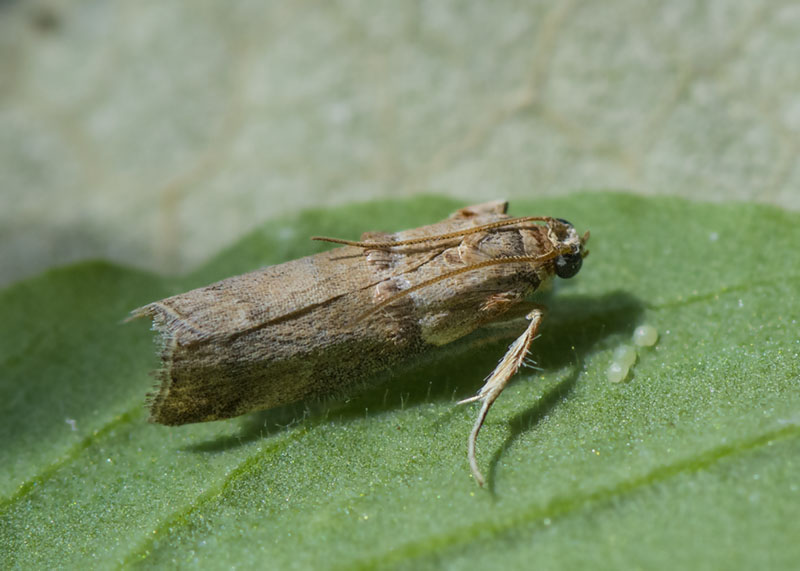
497,381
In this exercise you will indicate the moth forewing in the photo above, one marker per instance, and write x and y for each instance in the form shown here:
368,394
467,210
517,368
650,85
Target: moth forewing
273,339
324,324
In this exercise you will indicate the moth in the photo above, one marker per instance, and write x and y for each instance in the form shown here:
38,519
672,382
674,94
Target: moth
327,323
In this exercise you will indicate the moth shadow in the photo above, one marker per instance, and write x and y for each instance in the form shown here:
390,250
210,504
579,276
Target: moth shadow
573,328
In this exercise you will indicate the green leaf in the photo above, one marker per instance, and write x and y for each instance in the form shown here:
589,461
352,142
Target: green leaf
691,463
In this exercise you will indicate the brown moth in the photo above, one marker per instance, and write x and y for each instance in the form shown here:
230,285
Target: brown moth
326,323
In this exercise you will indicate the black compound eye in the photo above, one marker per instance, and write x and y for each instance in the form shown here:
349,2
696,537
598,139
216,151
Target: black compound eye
564,222
567,265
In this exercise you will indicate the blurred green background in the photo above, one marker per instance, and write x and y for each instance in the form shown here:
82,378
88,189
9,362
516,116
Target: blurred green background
155,133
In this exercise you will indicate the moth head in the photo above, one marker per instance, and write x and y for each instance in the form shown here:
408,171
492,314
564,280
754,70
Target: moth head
571,246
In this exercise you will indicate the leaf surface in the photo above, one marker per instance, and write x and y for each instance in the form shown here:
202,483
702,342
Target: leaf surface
692,462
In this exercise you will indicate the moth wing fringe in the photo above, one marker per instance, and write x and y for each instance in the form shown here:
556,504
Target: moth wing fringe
169,327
